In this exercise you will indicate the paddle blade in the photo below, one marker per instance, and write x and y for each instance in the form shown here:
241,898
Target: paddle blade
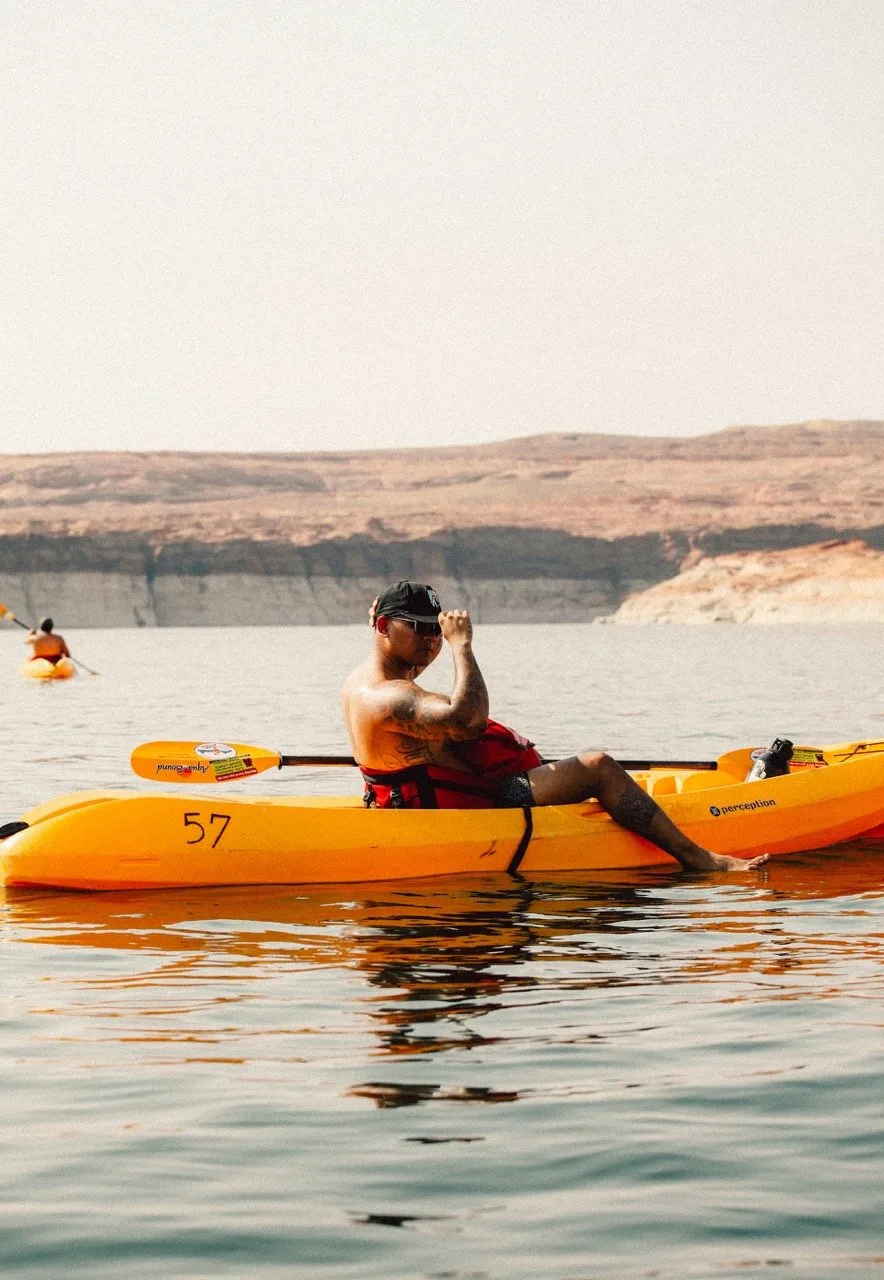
10,616
201,761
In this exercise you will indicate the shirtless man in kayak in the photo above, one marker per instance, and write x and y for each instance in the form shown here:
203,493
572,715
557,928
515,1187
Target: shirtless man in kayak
46,643
400,732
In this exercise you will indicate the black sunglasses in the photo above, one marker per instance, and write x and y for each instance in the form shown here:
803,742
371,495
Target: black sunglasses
422,628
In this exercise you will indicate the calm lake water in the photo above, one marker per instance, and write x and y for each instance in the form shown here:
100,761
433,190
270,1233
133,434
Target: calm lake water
570,1079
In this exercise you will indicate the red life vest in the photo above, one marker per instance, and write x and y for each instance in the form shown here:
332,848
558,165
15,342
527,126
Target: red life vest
498,754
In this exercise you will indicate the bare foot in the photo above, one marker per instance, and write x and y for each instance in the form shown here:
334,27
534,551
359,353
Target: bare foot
723,862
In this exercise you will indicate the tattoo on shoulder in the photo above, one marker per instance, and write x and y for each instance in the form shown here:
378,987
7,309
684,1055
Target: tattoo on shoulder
403,707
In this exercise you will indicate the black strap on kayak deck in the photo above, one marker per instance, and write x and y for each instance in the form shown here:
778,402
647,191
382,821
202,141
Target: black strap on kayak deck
12,829
522,847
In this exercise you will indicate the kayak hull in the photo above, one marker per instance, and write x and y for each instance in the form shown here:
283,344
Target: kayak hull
41,669
125,840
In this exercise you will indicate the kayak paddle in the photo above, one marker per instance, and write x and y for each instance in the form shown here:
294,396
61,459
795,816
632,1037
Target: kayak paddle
215,761
226,761
7,613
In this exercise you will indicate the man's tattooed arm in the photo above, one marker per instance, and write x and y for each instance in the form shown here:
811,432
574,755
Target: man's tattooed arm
432,717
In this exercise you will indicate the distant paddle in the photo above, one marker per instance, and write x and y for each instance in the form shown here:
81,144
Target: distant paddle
230,761
7,613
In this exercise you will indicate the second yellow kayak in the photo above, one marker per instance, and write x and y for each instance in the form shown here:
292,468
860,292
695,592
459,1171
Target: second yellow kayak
41,669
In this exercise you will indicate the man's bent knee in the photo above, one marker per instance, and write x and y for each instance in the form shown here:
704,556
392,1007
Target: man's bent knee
597,761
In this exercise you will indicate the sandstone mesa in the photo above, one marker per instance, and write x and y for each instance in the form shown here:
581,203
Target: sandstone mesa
566,527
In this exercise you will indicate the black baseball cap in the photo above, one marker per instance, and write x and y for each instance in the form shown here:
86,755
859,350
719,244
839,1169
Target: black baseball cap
412,600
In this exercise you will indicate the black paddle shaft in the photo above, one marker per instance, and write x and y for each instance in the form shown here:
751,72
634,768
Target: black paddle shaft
318,760
708,765
627,764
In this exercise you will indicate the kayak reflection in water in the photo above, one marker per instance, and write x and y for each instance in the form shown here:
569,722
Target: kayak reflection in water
46,643
419,749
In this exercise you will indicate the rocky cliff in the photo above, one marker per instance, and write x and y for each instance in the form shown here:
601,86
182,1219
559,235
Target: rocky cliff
557,526
832,582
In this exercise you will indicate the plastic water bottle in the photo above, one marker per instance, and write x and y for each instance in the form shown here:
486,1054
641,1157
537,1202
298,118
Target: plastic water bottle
772,761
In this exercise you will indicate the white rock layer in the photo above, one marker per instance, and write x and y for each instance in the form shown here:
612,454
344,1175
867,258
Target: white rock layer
242,599
831,582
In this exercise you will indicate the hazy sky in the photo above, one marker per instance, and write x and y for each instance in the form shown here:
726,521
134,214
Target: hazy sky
262,225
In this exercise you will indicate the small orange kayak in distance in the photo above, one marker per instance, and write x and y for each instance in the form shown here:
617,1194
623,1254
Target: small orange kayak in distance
43,669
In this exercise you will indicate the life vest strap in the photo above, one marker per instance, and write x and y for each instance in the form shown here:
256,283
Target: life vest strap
395,780
425,778
496,755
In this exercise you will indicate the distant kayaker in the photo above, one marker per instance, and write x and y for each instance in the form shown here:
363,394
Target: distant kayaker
46,643
419,749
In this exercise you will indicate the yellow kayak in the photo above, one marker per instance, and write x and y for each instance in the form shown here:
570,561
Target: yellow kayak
41,669
127,840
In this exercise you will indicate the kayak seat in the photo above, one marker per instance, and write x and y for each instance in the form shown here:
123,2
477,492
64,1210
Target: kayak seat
667,785
678,782
707,780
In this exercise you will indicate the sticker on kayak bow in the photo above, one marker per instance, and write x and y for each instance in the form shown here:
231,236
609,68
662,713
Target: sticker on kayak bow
214,751
181,770
808,758
237,767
